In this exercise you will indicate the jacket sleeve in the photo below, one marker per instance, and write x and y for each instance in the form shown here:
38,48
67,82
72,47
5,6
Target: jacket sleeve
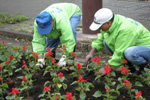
98,43
38,42
125,39
67,37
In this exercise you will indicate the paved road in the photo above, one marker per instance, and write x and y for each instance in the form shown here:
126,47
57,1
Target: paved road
140,11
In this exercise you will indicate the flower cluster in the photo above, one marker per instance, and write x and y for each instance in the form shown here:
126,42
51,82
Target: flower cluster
96,59
81,79
127,83
107,69
124,70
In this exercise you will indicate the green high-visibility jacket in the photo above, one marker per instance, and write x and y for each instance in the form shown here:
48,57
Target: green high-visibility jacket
123,33
61,13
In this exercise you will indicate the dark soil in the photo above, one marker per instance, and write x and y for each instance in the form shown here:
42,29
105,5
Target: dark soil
40,80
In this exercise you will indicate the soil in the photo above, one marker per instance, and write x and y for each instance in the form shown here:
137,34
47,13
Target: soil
40,80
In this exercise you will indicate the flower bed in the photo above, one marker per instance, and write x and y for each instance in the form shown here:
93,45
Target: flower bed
21,79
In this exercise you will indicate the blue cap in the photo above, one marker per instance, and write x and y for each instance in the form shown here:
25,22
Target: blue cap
44,23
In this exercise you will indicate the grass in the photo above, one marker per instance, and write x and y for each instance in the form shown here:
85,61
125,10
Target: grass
9,19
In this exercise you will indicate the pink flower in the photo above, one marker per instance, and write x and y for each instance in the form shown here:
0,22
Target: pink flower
14,91
60,75
69,96
46,88
78,65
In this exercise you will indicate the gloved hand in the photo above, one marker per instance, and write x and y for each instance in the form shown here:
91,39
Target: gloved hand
62,61
40,63
88,58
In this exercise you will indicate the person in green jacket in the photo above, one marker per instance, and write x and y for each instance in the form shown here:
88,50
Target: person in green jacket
124,37
57,23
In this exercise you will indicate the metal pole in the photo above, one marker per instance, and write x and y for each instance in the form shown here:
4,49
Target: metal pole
89,7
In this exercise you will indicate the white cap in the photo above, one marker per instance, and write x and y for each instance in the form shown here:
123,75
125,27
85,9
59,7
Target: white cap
101,16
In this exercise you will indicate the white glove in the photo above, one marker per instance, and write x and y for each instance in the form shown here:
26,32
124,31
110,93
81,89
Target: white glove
40,63
62,61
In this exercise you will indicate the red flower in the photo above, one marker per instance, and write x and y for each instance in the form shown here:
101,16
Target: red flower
10,57
64,47
107,69
138,94
1,67
73,54
81,79
7,62
24,78
49,53
96,59
3,42
124,70
0,78
15,49
107,89
60,75
24,48
125,62
78,65
69,96
148,69
53,60
35,54
24,64
46,88
14,91
127,83
56,98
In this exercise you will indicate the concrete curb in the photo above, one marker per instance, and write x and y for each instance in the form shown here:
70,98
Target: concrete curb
14,34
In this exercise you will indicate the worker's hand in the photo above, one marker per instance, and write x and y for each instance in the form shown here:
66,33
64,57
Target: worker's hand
40,63
88,58
62,61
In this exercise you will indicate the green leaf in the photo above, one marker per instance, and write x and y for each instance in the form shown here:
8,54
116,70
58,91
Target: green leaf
119,86
46,82
5,85
138,84
113,74
19,69
65,86
10,97
118,92
97,94
59,85
82,96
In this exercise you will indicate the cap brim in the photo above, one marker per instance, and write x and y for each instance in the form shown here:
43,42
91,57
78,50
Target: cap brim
95,26
45,30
